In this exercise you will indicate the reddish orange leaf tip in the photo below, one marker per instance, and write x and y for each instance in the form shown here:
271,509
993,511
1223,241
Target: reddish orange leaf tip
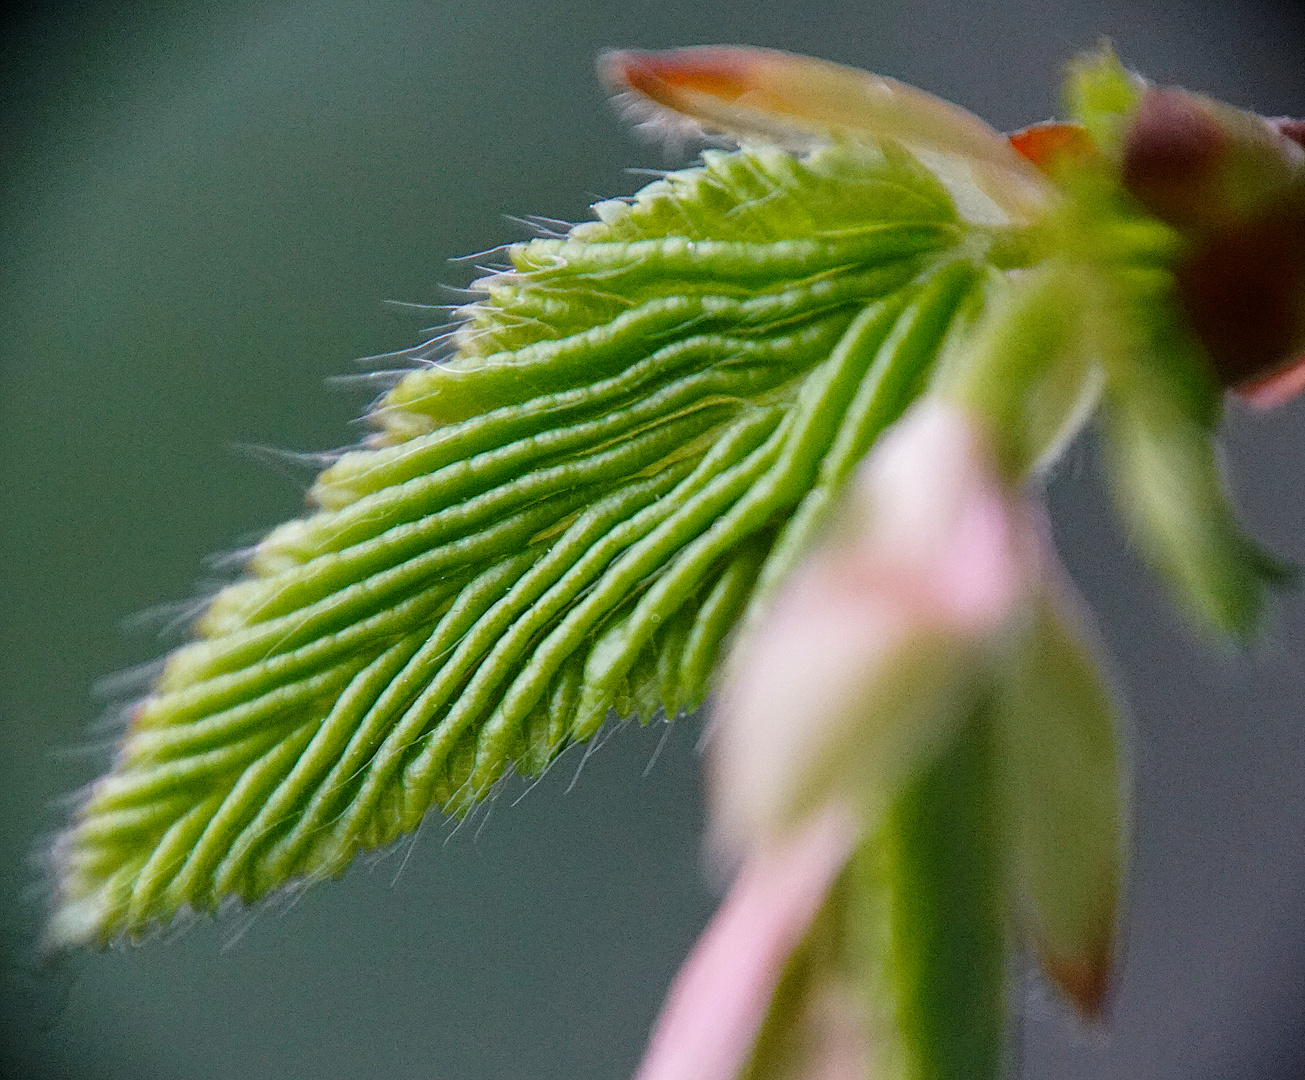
747,92
1046,145
1084,974
715,70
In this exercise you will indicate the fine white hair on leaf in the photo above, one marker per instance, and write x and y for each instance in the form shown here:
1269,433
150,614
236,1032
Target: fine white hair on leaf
661,745
419,305
168,621
488,805
544,227
440,346
409,845
471,293
676,134
532,782
130,682
410,351
495,250
595,744
385,379
296,464
230,562
243,919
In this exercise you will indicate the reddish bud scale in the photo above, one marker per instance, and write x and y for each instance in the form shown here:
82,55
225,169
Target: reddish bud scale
721,73
1242,285
1276,389
1243,289
1049,144
1172,159
1292,129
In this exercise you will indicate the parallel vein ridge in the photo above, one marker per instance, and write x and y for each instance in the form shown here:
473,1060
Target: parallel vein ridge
558,522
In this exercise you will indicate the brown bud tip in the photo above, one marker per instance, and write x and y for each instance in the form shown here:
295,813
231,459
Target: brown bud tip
1085,985
1171,154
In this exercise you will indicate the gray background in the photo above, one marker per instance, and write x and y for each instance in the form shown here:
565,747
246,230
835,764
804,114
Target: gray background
204,208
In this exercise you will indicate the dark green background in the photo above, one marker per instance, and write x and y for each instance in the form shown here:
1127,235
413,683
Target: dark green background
204,208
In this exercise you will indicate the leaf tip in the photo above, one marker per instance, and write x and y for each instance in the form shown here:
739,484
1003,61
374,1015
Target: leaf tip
1085,979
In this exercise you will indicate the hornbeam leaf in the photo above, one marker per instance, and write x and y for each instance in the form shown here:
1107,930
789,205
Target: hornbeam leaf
559,519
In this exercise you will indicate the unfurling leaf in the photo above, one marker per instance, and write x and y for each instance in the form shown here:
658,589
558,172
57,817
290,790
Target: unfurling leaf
1171,495
871,655
561,518
1063,781
867,691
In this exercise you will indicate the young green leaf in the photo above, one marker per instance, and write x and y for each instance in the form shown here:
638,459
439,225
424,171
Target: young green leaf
1063,789
562,518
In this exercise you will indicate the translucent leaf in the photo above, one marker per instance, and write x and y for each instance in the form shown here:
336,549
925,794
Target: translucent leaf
1063,787
559,520
1170,493
1101,95
1169,490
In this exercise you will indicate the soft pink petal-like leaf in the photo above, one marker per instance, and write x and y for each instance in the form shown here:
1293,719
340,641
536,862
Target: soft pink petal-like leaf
720,997
867,658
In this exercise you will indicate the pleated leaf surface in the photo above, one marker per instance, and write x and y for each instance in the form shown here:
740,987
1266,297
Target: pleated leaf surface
559,521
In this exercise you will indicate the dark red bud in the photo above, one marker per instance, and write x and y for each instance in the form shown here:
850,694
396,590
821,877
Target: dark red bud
1228,181
1243,289
1171,155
